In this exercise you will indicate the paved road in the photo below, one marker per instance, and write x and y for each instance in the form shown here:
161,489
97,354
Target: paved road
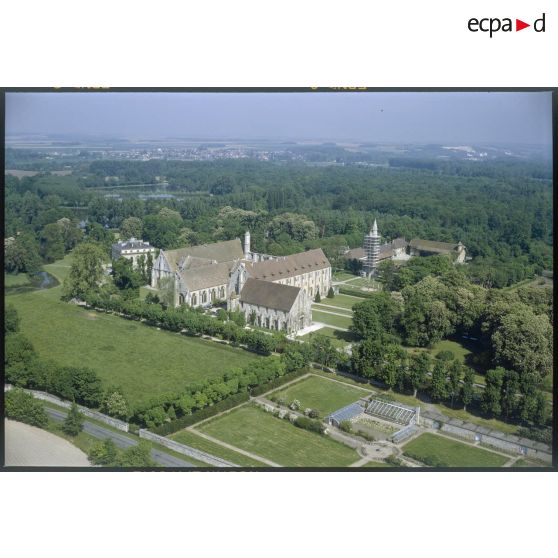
121,440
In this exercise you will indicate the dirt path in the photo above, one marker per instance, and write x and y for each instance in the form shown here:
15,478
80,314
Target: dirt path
28,446
234,448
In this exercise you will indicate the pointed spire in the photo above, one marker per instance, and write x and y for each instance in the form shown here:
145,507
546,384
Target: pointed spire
375,228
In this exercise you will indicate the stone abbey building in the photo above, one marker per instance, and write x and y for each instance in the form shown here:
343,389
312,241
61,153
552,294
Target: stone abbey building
373,252
275,292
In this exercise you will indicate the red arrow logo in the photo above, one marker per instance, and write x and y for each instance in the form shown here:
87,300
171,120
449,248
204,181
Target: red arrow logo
519,25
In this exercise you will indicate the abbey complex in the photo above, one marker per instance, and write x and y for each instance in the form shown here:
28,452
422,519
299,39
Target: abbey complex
273,292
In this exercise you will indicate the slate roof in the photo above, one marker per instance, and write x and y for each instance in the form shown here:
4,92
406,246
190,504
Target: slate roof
131,244
288,266
225,251
205,277
399,243
432,246
269,295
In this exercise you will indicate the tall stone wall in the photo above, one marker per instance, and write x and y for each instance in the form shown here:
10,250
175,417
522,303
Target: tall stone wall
185,450
115,423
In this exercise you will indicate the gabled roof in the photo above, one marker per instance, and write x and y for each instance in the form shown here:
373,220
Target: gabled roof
270,295
225,251
132,244
432,246
288,266
399,243
205,277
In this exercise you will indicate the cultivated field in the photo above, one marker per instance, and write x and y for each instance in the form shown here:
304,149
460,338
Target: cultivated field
451,452
321,394
256,431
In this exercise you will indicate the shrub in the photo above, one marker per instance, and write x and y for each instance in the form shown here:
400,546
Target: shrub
318,298
430,460
309,424
445,356
346,426
330,293
207,412
73,423
314,414
294,405
393,460
23,407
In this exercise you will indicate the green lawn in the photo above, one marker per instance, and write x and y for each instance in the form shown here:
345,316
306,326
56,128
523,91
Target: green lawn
341,301
60,268
254,430
377,465
452,452
16,280
331,319
192,439
339,338
520,463
142,360
342,276
323,395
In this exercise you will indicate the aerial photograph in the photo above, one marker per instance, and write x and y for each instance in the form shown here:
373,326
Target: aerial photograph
257,280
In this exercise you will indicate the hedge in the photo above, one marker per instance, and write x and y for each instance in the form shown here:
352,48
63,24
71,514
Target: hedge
277,382
207,412
360,294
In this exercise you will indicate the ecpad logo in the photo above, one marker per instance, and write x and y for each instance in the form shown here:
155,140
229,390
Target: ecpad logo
493,25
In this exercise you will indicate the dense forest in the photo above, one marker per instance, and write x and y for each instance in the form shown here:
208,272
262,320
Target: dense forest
501,211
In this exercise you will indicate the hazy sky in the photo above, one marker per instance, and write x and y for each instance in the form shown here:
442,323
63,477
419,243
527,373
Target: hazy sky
376,117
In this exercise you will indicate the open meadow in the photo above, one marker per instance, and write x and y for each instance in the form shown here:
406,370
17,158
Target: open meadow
321,394
140,359
451,452
256,431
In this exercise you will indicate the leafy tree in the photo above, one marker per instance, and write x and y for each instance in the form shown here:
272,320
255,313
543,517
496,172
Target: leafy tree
523,342
22,255
137,456
454,380
104,453
71,233
131,227
18,350
114,404
296,357
438,384
73,423
23,407
375,315
418,370
126,278
491,400
167,293
510,393
52,243
467,389
86,270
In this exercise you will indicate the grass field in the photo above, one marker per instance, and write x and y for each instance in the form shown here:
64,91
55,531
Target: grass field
323,395
377,465
342,276
338,338
16,280
140,359
256,431
341,301
331,319
193,440
451,452
60,268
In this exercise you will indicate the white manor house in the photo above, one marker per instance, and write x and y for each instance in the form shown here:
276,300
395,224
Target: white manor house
274,291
